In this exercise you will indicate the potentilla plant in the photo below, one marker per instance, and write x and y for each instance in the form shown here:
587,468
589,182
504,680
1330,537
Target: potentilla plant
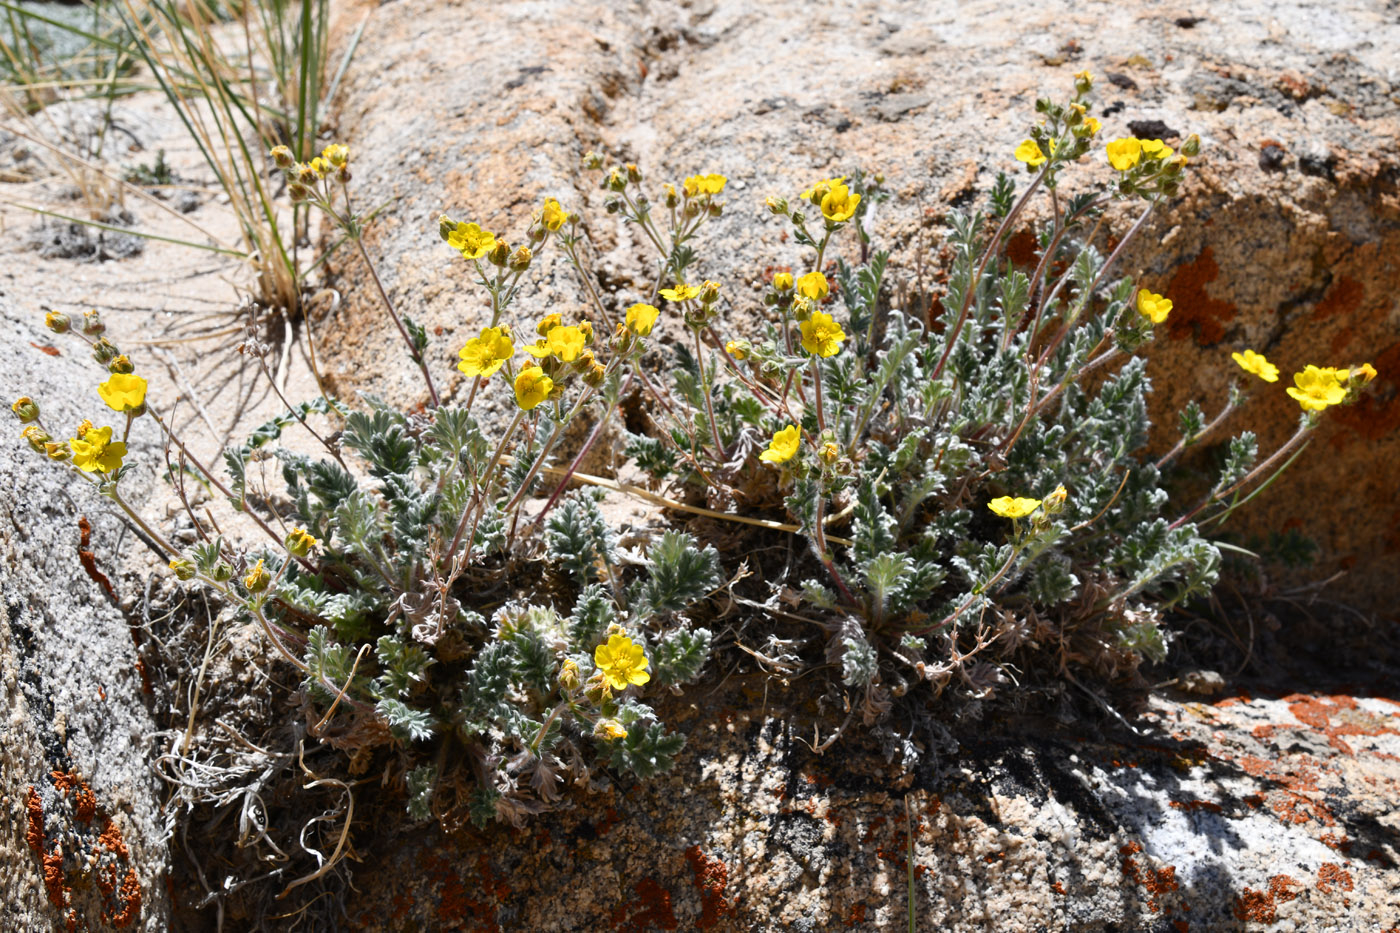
389,571
984,469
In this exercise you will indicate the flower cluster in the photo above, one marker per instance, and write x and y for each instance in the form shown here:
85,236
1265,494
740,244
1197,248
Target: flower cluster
1316,387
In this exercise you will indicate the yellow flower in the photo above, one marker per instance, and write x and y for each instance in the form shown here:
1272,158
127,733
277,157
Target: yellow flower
484,355
471,241
821,335
829,453
609,729
839,204
641,318
1029,153
1154,307
336,154
1317,387
552,215
813,285
783,446
819,190
300,542
1124,153
123,392
1155,148
622,662
783,281
1092,125
681,292
739,349
95,451
697,185
1054,503
565,342
257,579
1018,507
548,323
1255,363
1365,372
532,386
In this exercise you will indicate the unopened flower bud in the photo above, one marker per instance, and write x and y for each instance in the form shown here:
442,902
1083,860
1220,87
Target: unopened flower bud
258,579
709,292
569,675
121,364
298,192
184,569
829,453
612,205
282,157
596,374
103,351
222,572
609,730
715,208
58,322
672,199
592,160
57,451
798,219
520,259
500,253
25,409
37,437
634,174
445,226
691,210
300,542
92,323
1054,503
783,281
1083,82
343,174
1191,147
617,180
777,206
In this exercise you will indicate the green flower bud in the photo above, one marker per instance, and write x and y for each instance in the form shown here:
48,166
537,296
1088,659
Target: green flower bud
58,322
104,352
184,569
25,409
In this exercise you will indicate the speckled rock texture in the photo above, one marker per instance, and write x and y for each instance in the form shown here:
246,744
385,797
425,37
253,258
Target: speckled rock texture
1246,813
82,838
1285,239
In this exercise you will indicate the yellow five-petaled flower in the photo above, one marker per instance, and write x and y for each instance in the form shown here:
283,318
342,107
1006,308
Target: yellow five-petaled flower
1153,306
1013,506
94,451
697,185
532,386
622,662
123,392
641,318
1029,153
680,292
821,335
1318,387
470,240
552,215
1255,363
783,446
839,204
813,285
483,355
1124,153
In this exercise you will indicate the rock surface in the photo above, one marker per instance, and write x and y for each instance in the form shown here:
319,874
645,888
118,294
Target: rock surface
1272,812
1285,240
82,835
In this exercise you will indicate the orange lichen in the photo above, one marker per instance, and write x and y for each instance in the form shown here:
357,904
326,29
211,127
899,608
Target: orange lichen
129,901
651,910
1194,312
84,800
711,877
1190,805
34,833
1343,297
1058,888
1256,906
89,559
1282,888
111,840
856,914
54,886
1332,877
1335,717
1157,881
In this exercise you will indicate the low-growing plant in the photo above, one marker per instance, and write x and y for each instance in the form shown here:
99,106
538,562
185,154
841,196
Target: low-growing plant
972,488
